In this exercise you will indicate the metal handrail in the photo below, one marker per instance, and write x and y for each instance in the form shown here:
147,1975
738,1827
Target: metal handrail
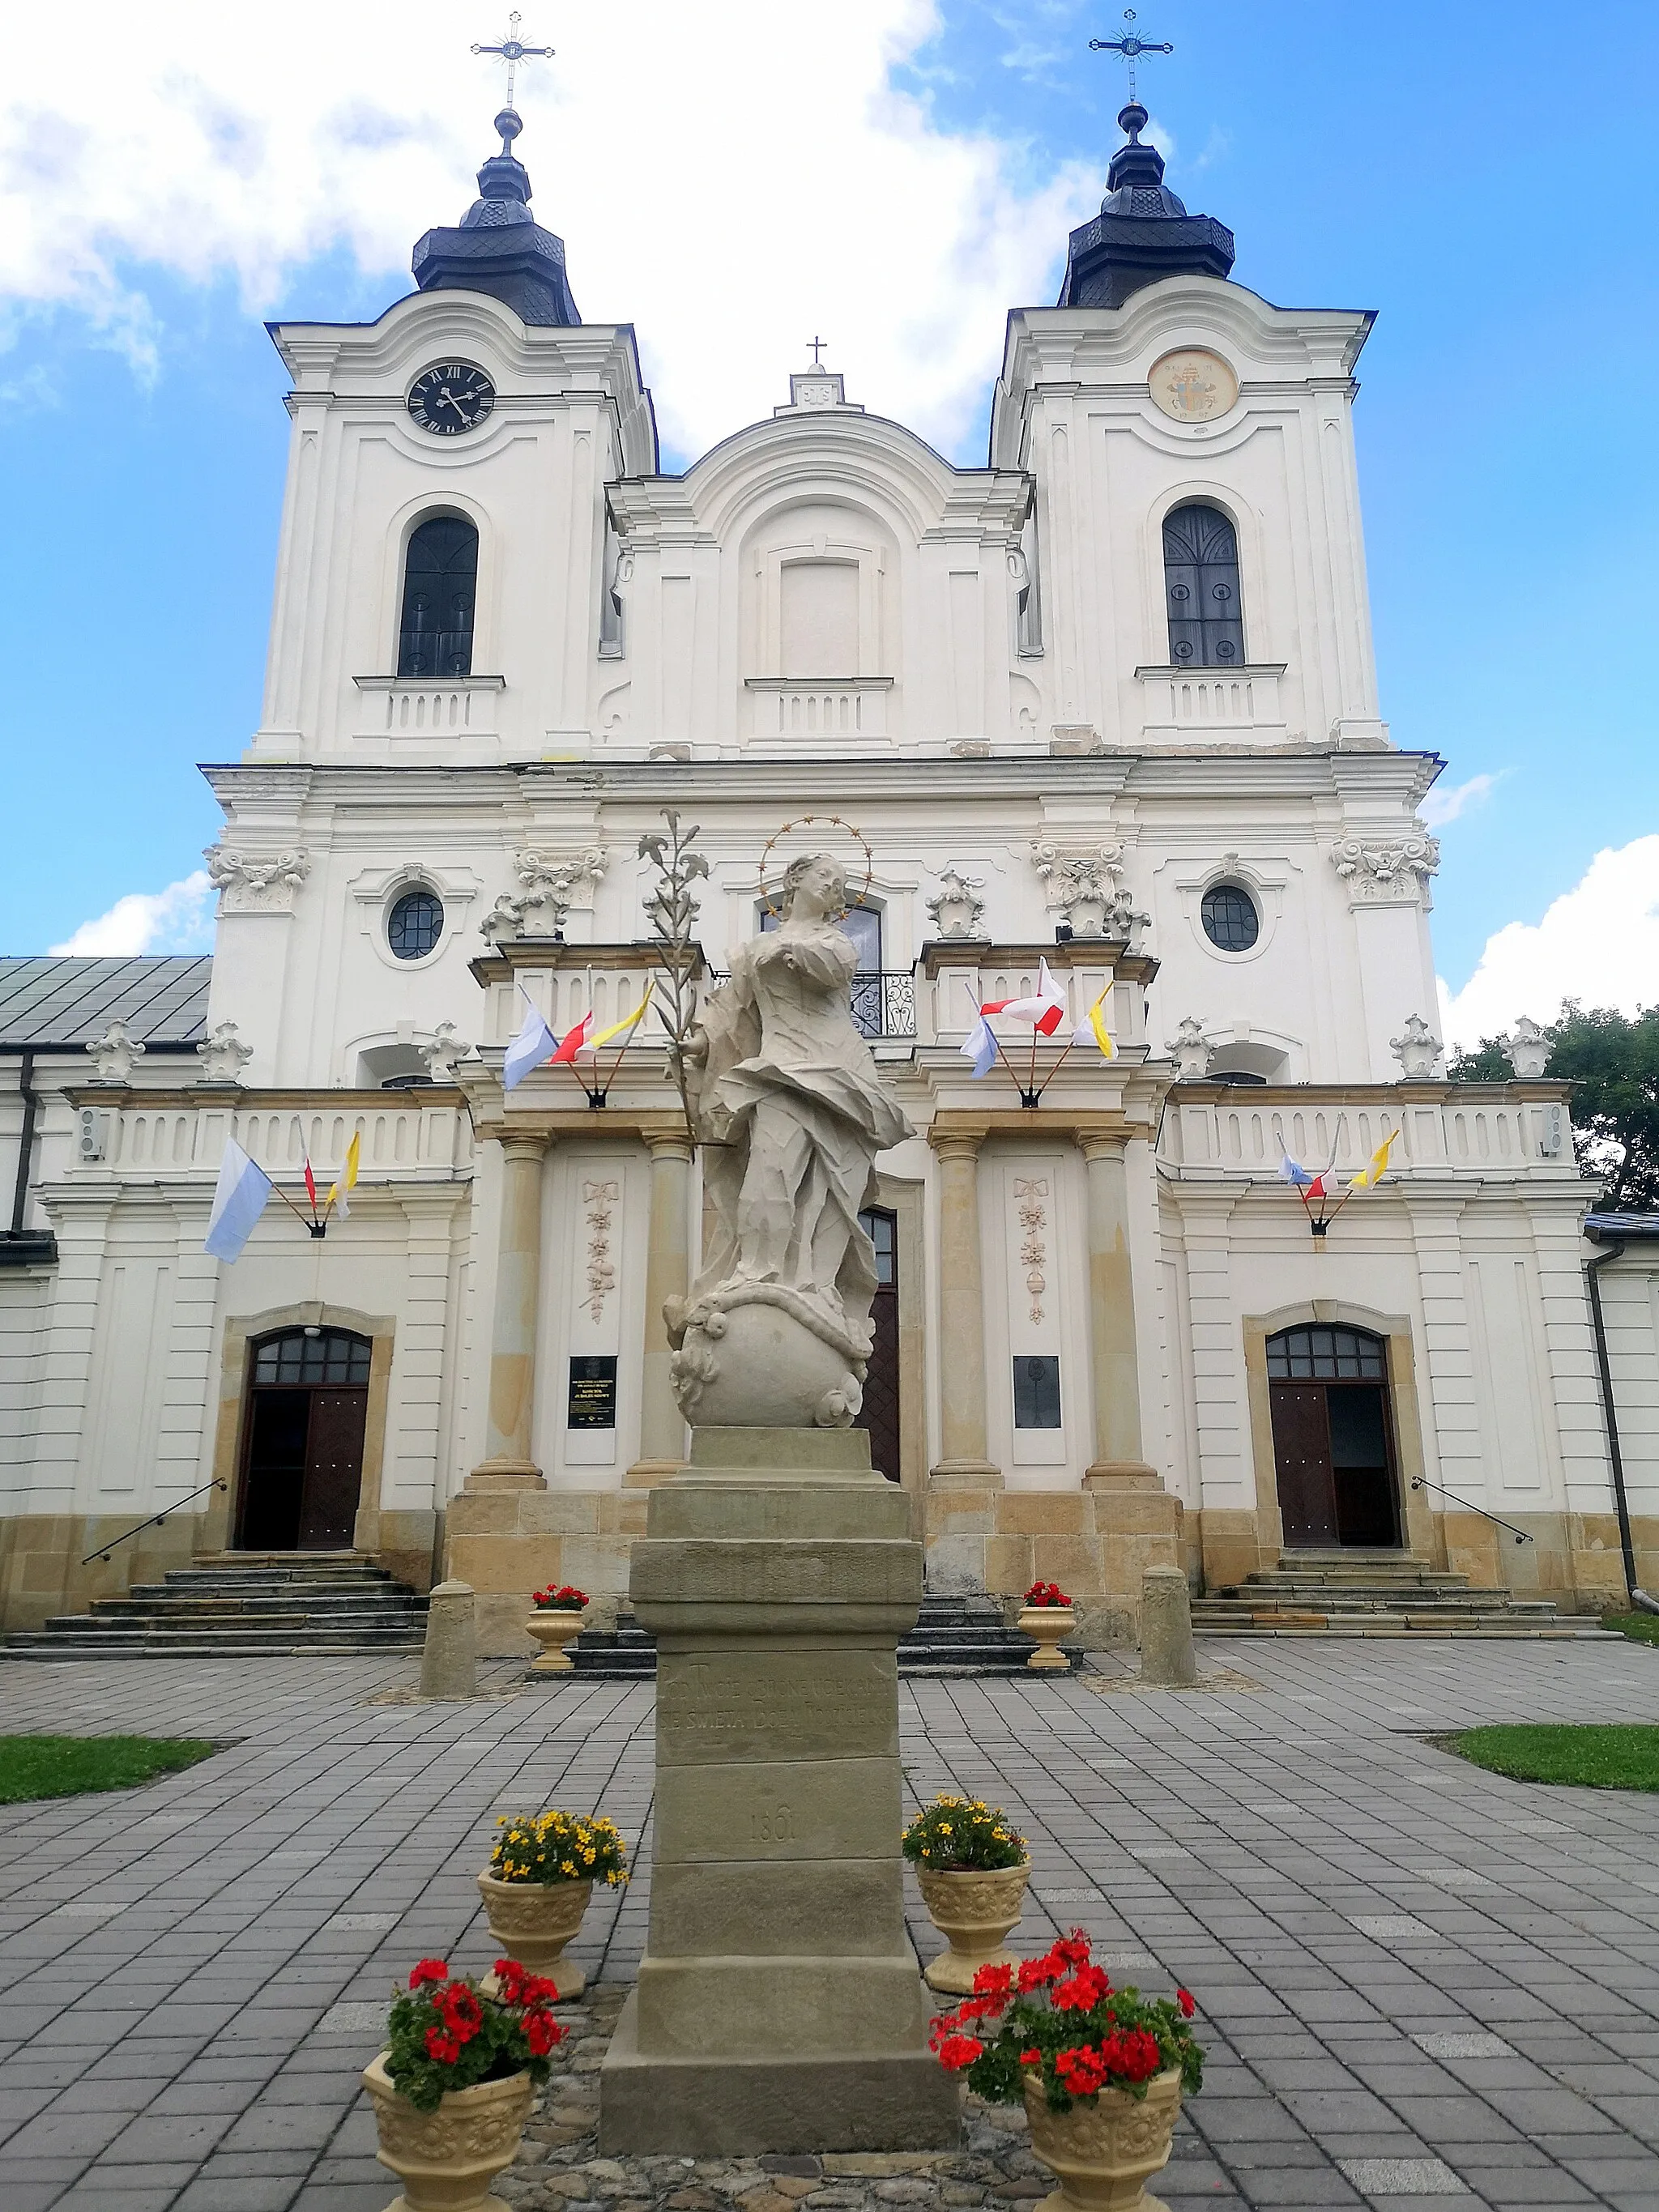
1521,1536
153,1522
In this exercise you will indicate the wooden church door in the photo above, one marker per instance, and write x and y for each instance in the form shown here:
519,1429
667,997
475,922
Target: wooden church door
1333,1437
303,1461
879,1413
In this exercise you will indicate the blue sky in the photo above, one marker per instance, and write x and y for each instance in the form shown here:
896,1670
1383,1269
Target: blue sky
1486,181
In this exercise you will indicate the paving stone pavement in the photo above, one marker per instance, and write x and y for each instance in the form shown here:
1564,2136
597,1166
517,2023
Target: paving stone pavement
1420,1985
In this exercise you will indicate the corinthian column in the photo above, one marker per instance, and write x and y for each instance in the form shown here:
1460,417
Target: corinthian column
962,1315
662,1426
506,1464
1113,1366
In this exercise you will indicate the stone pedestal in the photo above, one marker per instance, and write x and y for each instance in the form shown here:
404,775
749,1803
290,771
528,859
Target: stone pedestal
1166,1629
449,1657
779,2007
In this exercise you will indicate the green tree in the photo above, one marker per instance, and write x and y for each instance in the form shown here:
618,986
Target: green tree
1612,1061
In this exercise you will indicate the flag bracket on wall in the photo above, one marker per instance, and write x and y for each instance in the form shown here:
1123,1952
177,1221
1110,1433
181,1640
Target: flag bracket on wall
1317,1188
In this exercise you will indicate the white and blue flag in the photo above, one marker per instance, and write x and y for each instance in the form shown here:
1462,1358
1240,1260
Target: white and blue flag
534,1043
239,1199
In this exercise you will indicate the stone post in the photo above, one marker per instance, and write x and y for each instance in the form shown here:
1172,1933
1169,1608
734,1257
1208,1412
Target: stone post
962,1316
779,2006
1113,1365
1166,1629
667,1274
449,1658
506,1464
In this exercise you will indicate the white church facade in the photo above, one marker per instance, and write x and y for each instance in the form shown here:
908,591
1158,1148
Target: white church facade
1109,702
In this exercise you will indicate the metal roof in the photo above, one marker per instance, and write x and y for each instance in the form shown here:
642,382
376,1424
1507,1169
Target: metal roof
1619,1227
67,1002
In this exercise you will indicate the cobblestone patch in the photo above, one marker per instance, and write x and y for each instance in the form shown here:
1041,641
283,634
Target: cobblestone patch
559,2168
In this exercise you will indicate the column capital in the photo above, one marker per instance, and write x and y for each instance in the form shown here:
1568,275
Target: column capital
668,1144
1098,1143
525,1144
956,1143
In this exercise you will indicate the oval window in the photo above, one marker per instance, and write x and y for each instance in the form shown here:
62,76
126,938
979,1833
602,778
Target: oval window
1230,920
414,925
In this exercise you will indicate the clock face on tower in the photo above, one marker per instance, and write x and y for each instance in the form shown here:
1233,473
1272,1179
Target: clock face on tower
450,397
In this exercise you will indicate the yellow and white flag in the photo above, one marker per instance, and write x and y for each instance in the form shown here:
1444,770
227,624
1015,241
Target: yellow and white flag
615,1028
1092,1029
1371,1173
338,1203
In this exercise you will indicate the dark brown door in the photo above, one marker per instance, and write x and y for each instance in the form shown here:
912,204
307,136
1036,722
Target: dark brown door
334,1467
1333,1436
879,1413
1302,1455
303,1459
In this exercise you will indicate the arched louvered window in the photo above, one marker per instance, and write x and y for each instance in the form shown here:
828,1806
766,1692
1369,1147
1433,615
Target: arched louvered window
441,583
1200,589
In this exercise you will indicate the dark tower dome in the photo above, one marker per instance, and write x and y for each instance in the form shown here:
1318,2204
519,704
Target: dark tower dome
498,246
1142,233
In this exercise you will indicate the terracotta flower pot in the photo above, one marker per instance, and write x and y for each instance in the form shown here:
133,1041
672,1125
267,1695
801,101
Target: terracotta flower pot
974,1910
553,1628
447,2160
532,1922
1106,2146
1047,1625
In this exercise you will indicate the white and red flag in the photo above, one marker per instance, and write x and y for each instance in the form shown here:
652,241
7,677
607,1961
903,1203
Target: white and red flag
1045,1011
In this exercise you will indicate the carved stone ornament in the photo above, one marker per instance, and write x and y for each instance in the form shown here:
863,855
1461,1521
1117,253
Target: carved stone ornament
1378,869
1417,1051
599,1202
1086,888
441,1054
553,883
955,912
115,1053
222,1055
1190,1049
253,883
1528,1049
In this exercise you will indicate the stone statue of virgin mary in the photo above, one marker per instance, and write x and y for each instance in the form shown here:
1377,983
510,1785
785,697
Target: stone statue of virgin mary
791,1111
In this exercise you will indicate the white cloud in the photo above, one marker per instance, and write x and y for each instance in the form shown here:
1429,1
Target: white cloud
1598,943
730,183
176,920
1440,807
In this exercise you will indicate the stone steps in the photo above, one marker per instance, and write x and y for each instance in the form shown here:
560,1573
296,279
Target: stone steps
1376,1593
292,1604
953,1636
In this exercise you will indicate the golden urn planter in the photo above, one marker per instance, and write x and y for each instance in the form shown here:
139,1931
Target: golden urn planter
532,1922
1047,1625
448,2160
974,1910
1105,2148
553,1628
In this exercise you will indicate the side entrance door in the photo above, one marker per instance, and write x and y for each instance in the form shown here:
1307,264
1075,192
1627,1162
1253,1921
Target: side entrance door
880,1411
1333,1437
303,1457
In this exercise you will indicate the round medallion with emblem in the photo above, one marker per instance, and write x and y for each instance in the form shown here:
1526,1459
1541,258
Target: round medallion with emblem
1193,385
450,397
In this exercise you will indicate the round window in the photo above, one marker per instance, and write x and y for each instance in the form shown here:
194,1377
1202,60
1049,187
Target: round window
1230,920
414,925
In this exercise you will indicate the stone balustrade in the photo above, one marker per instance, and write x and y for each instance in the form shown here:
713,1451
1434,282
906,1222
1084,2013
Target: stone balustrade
1478,1130
138,1135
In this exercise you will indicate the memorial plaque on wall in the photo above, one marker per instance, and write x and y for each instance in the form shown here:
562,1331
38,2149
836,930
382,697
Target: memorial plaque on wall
592,1402
1036,1393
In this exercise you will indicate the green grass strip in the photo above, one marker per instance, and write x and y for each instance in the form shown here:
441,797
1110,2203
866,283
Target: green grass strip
1594,1756
1640,1627
65,1765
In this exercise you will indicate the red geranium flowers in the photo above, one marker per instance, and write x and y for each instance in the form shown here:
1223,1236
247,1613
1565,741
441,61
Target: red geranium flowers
567,1598
1046,1593
445,2034
1058,2020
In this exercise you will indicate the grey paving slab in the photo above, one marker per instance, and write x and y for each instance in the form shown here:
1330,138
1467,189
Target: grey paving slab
1408,1969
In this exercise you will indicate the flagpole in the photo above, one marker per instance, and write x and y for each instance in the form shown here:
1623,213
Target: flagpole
1058,1064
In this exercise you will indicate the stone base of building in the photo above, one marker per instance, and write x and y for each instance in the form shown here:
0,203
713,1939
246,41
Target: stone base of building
1573,1558
725,2107
1095,1543
41,1561
509,1543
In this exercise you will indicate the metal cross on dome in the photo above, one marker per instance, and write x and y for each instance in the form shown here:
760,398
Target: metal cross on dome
512,50
818,344
1129,48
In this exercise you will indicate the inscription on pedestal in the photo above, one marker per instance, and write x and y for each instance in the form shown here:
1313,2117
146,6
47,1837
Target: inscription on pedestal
837,1808
812,1703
